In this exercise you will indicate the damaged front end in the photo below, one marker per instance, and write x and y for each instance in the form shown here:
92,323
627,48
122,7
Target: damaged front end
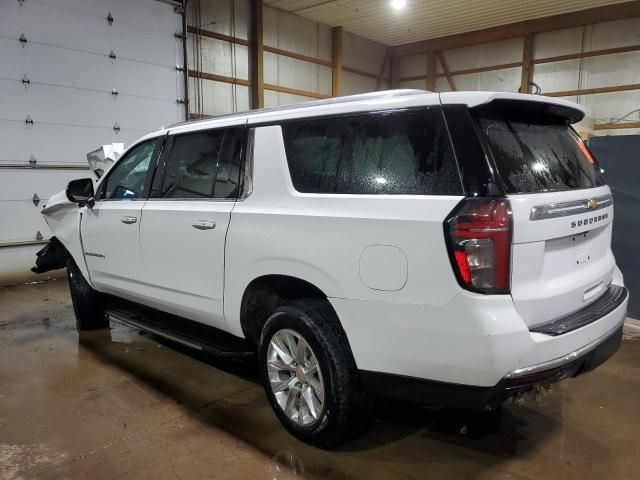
64,217
51,257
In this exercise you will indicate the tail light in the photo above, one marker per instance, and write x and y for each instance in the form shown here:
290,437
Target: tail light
478,232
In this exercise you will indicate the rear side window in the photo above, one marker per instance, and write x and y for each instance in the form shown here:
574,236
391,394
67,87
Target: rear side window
537,152
203,165
375,153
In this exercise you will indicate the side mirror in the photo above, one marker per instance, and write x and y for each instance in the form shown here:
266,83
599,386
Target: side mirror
80,191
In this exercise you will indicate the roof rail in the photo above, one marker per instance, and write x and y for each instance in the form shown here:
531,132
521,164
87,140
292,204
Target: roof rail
312,103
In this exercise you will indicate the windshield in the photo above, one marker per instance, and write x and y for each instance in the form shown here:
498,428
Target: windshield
537,152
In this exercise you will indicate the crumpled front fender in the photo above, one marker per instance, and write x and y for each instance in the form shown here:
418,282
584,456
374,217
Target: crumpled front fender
64,220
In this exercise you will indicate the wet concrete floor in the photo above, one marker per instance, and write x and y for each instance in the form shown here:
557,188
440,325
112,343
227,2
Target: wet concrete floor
116,404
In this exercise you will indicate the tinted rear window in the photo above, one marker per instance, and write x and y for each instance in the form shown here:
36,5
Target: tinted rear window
537,153
374,153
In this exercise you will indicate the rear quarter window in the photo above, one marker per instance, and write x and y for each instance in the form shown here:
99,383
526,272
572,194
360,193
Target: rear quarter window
407,152
537,153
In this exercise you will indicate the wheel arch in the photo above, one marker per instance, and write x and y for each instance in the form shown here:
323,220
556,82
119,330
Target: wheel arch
265,293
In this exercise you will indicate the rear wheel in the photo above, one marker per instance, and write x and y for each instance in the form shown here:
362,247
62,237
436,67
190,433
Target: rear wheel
87,304
310,376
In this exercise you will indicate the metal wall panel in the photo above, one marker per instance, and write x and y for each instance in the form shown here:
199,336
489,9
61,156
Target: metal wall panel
412,66
217,57
41,22
275,99
219,98
217,16
85,108
420,84
559,42
293,73
361,53
63,80
352,84
557,76
56,144
494,53
621,33
506,80
290,32
365,55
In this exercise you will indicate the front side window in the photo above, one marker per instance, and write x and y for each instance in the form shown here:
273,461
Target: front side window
406,152
204,165
127,179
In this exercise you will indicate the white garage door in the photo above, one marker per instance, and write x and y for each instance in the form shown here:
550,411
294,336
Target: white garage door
75,74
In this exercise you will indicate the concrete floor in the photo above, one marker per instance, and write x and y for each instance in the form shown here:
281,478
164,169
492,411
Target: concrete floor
116,404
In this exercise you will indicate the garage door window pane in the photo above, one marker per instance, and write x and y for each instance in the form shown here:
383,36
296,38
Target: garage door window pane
204,165
390,153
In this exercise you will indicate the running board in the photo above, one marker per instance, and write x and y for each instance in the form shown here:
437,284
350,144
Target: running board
188,333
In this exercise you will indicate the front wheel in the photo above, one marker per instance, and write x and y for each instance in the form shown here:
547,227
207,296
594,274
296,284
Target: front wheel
310,376
87,304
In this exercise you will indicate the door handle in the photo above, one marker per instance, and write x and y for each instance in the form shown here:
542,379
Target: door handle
203,224
128,220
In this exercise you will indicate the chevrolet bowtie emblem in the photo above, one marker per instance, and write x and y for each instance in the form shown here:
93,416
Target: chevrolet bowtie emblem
591,203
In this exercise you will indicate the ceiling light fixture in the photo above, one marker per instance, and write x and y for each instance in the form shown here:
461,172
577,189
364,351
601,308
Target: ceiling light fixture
398,4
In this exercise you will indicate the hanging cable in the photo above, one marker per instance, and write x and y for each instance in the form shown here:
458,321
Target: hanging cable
618,120
234,86
581,64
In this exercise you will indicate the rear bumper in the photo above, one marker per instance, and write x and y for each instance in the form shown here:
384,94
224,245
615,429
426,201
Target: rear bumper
474,343
429,392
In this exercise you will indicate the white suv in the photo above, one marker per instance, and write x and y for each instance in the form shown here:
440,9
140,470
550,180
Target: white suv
452,249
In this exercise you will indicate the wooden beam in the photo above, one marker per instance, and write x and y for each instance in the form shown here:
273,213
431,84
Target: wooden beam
488,68
218,36
267,86
432,71
593,91
592,53
195,116
336,59
256,56
445,68
394,73
219,78
413,78
387,57
357,71
294,91
539,25
616,126
527,66
298,56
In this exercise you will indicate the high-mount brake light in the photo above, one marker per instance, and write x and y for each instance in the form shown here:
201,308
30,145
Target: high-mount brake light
478,232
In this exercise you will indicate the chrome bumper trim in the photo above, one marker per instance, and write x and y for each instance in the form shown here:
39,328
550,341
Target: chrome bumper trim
565,359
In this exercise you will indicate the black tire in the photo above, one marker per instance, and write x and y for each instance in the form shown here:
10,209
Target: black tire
347,408
87,304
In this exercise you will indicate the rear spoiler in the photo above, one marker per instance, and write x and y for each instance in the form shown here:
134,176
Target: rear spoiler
573,112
